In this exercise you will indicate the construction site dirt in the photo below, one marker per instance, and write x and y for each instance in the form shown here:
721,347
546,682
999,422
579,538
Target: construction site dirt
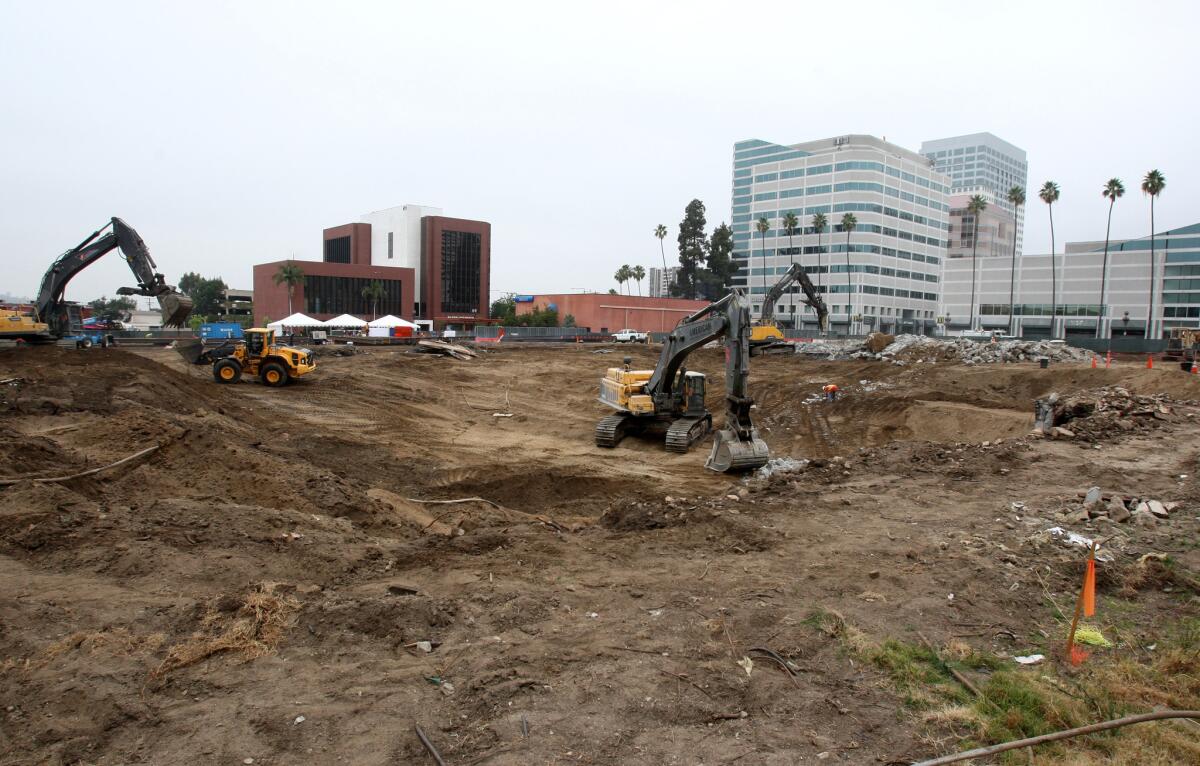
281,577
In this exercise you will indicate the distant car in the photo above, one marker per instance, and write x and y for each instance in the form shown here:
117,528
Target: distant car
629,336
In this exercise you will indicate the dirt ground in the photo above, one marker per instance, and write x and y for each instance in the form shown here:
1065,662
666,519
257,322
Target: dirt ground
263,584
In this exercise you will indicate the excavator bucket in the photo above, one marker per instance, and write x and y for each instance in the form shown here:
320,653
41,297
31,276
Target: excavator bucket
731,454
176,308
190,349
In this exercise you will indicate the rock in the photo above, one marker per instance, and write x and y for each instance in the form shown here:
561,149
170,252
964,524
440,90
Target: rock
734,498
1076,517
1092,496
1117,510
1170,506
873,574
1142,507
743,492
1058,432
1144,518
1157,509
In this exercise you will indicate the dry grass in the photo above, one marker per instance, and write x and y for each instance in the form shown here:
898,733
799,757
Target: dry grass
116,641
253,629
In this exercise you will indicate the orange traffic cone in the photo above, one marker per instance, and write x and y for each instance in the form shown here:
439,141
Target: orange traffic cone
1149,363
1195,369
1093,361
1107,360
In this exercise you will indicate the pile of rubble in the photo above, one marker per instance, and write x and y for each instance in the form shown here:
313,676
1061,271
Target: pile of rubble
1103,412
1142,511
907,349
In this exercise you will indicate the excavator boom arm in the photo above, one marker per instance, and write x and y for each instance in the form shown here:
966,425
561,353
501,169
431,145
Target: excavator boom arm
50,304
812,298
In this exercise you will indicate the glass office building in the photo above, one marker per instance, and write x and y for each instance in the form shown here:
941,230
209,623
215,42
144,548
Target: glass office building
887,276
986,165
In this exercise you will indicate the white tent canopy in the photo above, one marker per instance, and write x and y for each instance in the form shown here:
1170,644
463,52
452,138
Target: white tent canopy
345,320
391,321
297,320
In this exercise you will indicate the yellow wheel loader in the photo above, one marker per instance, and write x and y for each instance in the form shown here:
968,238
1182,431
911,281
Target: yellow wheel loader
669,400
256,354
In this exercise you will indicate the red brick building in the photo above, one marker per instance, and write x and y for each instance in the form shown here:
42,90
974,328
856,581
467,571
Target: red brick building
332,289
609,313
456,267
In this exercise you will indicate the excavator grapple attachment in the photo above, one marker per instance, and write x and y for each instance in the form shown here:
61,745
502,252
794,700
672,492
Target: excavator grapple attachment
731,454
176,308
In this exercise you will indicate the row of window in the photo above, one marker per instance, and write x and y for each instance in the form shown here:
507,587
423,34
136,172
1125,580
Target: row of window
840,268
1041,309
743,163
1182,271
1181,297
1181,284
836,248
1182,312
848,186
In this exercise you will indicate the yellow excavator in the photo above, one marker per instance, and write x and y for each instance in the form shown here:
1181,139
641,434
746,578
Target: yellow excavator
669,400
766,335
256,353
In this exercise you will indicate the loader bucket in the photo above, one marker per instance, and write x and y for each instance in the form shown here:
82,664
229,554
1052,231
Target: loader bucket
190,349
731,454
176,308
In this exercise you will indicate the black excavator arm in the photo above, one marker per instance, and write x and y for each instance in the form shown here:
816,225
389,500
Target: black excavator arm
737,445
812,298
50,305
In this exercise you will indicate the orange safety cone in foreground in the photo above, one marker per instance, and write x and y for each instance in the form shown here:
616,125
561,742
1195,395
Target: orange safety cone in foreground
1149,363
1086,605
1093,361
1195,369
1107,360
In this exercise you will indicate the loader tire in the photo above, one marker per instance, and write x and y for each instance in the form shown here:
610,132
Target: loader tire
227,371
274,374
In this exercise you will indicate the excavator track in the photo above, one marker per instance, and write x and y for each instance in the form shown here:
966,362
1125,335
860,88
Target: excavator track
685,432
611,430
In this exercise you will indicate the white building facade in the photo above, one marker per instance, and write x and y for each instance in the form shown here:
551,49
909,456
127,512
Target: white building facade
396,236
1079,306
661,281
983,164
887,275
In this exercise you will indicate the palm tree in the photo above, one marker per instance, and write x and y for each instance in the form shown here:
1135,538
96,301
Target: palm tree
621,276
1016,196
374,293
975,206
1152,184
790,224
762,227
1049,194
1112,190
819,223
638,274
848,224
660,231
292,275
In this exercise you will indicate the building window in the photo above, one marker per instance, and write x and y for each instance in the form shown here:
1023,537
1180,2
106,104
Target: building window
337,250
460,271
344,295
389,245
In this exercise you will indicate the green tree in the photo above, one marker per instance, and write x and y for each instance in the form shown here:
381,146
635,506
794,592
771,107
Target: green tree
975,206
622,276
504,308
721,266
291,275
1049,194
762,226
205,293
1152,184
819,222
112,310
790,224
612,292
638,273
848,224
373,294
693,241
1113,190
569,320
1016,196
660,231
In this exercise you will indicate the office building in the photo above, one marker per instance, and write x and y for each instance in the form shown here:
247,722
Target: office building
995,230
889,278
661,281
986,165
1078,278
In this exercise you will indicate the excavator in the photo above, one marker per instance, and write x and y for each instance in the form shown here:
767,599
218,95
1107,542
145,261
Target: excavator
669,400
766,335
53,317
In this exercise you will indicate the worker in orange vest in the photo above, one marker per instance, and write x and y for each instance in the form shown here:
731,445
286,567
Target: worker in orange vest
831,392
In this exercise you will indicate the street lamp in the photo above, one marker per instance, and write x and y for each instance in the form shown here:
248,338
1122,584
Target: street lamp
946,331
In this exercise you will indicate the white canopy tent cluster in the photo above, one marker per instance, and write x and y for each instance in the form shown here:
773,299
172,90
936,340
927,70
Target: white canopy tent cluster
299,320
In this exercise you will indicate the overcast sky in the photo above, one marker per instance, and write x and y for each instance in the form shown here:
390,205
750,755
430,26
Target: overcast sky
231,133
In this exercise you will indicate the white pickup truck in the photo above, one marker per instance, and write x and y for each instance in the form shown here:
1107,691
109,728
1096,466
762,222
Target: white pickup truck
629,336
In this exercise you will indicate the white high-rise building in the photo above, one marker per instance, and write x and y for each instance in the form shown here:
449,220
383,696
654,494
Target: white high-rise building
396,236
985,165
890,277
661,281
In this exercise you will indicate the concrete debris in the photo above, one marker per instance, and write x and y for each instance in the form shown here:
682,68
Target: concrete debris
781,465
1157,508
1108,506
